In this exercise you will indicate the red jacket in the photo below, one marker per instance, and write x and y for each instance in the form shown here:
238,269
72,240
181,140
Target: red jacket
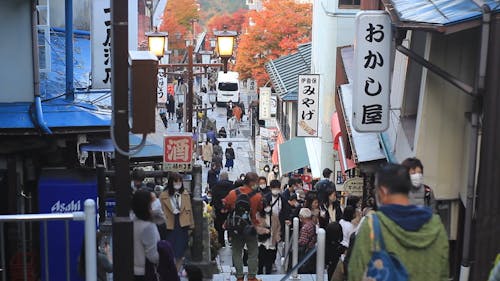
255,202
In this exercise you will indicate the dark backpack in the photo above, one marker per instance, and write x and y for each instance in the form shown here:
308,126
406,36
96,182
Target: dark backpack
238,221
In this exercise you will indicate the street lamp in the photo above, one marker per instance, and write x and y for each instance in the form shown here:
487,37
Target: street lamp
157,43
225,45
213,42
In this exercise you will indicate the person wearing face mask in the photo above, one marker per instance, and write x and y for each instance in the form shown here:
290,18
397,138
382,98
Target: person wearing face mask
412,234
263,188
293,185
420,194
273,173
176,204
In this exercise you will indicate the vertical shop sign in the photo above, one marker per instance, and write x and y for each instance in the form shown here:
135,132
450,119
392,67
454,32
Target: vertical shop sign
101,44
265,103
308,105
178,152
162,87
372,71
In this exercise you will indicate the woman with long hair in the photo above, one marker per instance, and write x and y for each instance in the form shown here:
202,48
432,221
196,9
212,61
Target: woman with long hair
146,234
176,204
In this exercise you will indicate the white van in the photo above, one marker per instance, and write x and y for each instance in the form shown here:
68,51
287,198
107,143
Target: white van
228,87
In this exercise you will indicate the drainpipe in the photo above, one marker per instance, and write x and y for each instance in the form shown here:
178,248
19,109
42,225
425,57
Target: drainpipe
36,75
474,120
68,6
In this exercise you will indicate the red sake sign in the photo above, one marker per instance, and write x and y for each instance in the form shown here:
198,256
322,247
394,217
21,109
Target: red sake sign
178,152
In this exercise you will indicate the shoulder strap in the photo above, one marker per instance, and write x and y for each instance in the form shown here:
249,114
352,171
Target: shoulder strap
238,191
377,232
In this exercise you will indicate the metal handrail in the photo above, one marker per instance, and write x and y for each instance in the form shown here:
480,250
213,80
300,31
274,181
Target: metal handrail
300,263
89,218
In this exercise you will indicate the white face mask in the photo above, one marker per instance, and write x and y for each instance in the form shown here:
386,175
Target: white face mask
177,186
262,186
275,192
276,170
417,179
267,209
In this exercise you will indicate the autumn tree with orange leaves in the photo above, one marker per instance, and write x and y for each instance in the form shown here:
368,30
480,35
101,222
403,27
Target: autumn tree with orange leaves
177,21
275,31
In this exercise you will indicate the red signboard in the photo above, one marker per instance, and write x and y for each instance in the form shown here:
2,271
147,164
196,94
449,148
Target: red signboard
178,152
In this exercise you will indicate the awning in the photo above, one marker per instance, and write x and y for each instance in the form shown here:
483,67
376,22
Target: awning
152,150
279,140
338,145
298,153
443,15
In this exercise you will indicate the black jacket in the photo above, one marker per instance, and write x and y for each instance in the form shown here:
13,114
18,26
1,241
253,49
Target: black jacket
220,191
284,213
323,221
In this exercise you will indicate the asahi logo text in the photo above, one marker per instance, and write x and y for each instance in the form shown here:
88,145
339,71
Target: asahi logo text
66,207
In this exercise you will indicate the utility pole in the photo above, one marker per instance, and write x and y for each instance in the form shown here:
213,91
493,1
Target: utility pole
122,225
190,95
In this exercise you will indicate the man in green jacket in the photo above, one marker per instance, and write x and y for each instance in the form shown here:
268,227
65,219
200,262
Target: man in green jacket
411,233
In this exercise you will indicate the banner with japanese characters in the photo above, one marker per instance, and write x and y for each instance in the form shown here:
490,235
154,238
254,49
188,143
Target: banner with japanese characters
308,105
371,90
265,103
178,152
162,87
100,37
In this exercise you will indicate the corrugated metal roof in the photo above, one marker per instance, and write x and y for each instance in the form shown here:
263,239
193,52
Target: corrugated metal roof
284,70
440,12
87,110
292,95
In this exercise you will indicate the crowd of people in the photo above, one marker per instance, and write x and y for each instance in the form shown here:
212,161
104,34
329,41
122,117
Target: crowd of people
403,211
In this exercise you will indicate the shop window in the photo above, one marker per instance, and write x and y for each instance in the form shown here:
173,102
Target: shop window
409,107
349,4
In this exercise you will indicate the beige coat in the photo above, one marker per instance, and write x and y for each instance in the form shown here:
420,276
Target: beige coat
207,151
186,211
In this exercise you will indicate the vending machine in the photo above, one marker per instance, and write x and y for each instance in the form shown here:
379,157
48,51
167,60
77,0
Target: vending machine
63,191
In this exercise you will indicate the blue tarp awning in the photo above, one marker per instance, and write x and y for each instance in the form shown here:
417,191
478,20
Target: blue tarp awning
439,12
89,109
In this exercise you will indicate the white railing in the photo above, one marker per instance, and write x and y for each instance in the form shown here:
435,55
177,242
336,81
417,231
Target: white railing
89,218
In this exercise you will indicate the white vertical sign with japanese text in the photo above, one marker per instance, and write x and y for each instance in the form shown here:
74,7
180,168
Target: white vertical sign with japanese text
371,90
100,37
265,103
162,87
308,105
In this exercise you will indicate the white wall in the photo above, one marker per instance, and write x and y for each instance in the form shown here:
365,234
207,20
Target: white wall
16,53
328,33
81,14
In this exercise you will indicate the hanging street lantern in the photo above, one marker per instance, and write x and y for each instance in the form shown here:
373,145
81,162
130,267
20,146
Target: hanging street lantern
157,43
225,45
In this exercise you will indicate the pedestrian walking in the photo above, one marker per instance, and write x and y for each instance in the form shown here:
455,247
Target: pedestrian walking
229,109
230,156
248,200
179,114
268,236
274,173
222,133
237,113
312,203
146,234
412,234
420,194
322,185
207,152
217,155
176,204
232,126
307,240
163,116
330,211
263,188
219,192
171,107
104,258
334,250
211,135
212,176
